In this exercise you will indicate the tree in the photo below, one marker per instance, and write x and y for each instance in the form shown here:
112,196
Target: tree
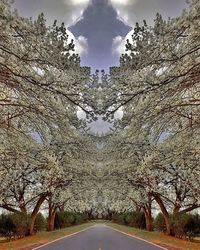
156,86
42,84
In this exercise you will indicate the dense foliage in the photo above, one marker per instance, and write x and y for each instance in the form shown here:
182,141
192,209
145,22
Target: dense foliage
51,160
133,219
66,219
152,158
16,225
184,226
46,154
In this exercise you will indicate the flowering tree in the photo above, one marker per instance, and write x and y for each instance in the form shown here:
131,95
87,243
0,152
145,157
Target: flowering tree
43,143
49,157
156,86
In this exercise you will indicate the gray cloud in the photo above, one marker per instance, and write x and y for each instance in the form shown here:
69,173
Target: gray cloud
62,10
67,11
132,11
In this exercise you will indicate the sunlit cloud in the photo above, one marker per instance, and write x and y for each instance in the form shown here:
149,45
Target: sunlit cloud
81,44
123,2
124,10
119,42
77,8
79,1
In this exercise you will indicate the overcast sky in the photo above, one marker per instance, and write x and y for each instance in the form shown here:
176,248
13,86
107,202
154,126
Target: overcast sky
100,27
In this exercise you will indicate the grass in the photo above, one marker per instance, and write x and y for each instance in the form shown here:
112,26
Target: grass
30,242
159,238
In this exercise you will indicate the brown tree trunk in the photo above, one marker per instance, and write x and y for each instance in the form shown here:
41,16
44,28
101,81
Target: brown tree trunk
22,204
164,212
148,217
177,205
51,219
176,210
35,212
52,213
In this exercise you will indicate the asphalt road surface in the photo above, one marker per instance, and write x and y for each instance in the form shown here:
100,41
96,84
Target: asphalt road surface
99,237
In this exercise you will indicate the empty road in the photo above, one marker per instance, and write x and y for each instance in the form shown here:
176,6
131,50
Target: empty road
99,237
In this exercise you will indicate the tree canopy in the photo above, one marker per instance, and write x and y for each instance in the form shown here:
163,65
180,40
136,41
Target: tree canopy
49,156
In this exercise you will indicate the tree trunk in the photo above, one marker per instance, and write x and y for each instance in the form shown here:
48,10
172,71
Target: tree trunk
35,212
164,212
176,210
177,205
22,204
148,218
52,214
51,221
23,209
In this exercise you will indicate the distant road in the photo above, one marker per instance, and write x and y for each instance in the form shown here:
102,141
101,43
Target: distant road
100,237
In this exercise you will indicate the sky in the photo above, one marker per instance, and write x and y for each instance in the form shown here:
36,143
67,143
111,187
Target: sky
100,27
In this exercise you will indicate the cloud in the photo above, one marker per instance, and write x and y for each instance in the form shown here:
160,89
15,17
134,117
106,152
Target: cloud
125,11
81,44
123,2
119,42
67,11
83,2
132,11
77,8
118,46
